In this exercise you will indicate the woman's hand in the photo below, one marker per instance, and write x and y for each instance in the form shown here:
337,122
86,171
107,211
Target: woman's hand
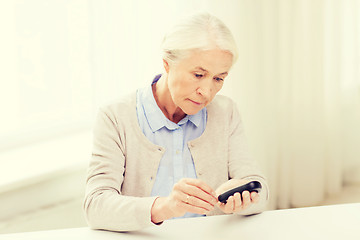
188,195
234,203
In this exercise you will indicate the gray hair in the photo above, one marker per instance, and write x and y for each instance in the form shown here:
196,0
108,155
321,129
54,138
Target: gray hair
199,32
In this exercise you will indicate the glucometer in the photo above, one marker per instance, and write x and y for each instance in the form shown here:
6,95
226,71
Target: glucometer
253,186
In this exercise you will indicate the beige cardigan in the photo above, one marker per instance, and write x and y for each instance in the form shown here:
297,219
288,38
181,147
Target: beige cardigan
124,163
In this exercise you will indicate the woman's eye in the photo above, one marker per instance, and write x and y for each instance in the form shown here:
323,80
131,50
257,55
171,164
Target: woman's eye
219,79
198,75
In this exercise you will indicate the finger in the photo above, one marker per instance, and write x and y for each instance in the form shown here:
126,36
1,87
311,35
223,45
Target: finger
195,209
237,201
229,206
246,199
191,200
189,207
180,208
192,195
201,185
198,193
254,197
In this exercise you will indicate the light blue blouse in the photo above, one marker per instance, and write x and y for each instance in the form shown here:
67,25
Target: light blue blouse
177,162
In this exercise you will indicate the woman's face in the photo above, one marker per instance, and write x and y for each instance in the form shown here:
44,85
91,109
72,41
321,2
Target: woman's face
194,81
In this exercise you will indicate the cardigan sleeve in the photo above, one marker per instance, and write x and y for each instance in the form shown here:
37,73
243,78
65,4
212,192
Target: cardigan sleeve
241,164
104,205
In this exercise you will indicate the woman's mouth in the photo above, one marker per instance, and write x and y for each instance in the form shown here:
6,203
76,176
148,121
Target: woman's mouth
196,103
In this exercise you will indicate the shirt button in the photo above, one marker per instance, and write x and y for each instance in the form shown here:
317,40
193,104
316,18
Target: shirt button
177,151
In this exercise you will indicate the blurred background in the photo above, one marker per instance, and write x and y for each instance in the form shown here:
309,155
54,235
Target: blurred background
297,84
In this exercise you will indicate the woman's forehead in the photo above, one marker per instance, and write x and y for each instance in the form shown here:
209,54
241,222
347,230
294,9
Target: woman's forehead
215,61
199,68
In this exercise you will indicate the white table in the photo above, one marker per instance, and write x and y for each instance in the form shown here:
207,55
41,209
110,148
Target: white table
325,222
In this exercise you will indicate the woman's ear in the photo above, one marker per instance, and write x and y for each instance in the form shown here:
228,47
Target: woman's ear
166,66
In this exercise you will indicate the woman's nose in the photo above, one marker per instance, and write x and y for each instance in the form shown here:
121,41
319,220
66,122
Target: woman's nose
205,89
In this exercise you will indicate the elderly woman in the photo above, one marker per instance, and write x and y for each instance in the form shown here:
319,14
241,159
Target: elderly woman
170,149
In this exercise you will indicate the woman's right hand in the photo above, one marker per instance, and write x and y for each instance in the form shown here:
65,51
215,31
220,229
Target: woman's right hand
188,195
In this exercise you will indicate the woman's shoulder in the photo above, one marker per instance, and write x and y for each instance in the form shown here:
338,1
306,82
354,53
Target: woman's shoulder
223,108
121,107
221,102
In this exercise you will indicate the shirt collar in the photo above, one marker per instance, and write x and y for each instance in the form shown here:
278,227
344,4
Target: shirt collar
155,116
195,119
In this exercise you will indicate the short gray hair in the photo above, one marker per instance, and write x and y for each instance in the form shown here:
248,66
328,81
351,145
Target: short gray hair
200,32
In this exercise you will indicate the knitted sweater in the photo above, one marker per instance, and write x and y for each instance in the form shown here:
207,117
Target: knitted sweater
124,163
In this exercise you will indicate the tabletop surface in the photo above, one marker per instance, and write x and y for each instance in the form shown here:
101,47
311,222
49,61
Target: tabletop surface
324,222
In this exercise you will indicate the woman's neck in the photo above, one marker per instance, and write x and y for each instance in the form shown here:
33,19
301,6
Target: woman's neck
165,102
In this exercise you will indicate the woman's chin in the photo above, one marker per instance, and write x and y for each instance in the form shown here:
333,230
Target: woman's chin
192,111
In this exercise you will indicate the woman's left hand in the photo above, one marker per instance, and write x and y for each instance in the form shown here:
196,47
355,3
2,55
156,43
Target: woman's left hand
234,203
